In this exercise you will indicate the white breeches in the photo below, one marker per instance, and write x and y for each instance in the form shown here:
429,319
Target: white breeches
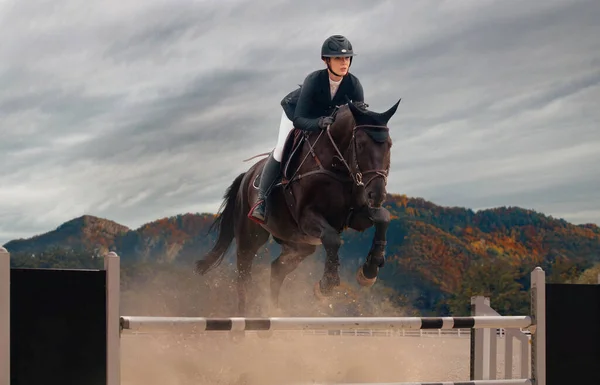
285,126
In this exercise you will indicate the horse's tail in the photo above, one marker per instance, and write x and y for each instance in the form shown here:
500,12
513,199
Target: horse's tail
225,221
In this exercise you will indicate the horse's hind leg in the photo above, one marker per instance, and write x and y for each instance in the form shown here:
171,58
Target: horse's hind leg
315,225
292,254
251,238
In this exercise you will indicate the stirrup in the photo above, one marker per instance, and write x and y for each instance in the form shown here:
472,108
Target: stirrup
252,210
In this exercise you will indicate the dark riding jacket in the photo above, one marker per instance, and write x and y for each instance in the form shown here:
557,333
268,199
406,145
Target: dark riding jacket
305,105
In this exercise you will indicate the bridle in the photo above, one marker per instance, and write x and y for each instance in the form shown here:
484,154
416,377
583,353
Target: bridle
356,175
355,172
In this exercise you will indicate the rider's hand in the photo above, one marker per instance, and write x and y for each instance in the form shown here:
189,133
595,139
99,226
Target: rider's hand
325,121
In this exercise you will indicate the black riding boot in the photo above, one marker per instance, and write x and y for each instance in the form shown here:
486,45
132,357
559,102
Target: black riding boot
270,172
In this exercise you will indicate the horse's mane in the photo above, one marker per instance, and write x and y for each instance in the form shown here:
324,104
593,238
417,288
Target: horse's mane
342,110
366,118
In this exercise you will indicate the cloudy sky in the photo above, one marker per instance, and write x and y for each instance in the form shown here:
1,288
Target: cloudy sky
134,110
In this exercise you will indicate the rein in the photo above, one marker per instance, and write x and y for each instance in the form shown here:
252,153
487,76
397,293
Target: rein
354,171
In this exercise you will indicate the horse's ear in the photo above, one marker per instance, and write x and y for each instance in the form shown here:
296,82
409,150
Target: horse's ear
389,113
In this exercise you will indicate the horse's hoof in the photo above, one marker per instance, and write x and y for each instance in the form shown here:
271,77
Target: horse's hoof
364,281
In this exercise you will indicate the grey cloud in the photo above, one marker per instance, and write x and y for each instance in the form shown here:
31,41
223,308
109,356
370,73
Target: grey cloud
163,124
149,109
163,28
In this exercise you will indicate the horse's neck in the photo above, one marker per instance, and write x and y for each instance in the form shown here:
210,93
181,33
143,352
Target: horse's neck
324,148
341,137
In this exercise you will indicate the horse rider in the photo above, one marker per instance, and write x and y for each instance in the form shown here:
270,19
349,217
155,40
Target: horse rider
317,98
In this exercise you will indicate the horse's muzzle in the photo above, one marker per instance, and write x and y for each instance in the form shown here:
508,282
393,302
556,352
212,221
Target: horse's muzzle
376,196
379,214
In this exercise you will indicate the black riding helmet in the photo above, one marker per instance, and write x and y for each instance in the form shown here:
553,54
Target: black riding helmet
336,46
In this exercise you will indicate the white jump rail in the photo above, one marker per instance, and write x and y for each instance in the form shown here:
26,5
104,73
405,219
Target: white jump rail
325,323
476,382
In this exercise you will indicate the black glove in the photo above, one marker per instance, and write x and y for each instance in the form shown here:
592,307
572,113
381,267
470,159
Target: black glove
325,121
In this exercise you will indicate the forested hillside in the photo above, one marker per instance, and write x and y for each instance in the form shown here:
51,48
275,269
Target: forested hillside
438,257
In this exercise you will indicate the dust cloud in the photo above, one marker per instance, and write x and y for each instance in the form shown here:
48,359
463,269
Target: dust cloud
219,358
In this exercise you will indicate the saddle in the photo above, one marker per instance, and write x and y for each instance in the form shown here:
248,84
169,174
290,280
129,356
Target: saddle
293,143
291,148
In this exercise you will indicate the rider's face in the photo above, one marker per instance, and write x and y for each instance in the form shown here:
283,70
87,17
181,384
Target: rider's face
340,65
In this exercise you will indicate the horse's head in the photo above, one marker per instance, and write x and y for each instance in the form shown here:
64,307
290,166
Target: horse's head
363,137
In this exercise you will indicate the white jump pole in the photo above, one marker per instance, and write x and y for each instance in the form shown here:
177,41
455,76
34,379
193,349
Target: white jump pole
482,351
326,323
476,382
113,331
4,316
538,335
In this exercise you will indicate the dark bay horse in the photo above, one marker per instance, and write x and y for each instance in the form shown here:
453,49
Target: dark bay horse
331,180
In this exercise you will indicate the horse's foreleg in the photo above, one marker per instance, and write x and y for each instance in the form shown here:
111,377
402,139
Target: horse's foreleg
288,261
315,225
367,273
331,276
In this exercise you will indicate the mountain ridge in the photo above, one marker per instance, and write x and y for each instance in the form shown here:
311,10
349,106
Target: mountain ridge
436,256
415,202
